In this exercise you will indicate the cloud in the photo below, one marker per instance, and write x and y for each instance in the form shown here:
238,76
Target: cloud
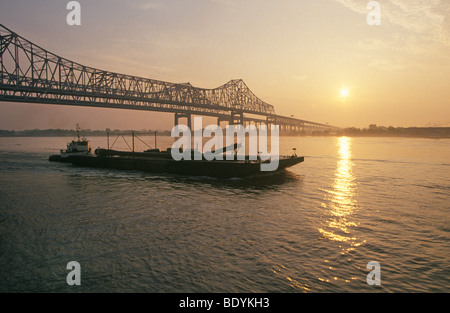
429,19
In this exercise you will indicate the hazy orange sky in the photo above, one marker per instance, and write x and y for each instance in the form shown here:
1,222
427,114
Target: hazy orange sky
297,55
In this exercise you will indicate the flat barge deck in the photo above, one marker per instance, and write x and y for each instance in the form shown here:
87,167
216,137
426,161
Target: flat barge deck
162,162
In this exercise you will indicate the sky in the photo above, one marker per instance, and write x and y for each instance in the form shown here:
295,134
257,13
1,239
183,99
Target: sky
317,60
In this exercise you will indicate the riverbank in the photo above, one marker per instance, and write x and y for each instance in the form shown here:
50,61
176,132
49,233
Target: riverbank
409,132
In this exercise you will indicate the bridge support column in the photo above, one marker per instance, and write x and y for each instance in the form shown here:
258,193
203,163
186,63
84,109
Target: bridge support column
221,119
236,118
180,115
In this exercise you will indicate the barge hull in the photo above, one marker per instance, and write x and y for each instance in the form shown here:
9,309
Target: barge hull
220,169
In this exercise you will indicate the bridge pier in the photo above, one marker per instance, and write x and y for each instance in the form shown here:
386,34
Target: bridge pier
222,119
181,115
236,118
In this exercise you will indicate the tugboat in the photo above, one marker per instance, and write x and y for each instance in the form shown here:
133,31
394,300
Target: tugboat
78,147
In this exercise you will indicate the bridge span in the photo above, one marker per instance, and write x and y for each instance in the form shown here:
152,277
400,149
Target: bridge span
31,74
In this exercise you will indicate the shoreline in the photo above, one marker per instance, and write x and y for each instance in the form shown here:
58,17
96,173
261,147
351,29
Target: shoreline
410,132
281,135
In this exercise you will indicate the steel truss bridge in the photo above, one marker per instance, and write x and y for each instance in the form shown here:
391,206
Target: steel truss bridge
32,74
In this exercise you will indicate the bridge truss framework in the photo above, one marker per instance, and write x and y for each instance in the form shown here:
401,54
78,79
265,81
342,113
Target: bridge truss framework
31,74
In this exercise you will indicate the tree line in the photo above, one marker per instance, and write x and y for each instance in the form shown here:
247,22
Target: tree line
72,133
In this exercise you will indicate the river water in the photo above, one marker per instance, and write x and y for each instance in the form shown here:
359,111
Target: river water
312,229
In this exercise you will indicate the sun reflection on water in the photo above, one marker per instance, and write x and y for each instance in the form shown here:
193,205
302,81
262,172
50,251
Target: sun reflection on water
340,207
338,225
340,204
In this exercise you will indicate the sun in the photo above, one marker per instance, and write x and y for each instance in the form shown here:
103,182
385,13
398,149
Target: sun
344,92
